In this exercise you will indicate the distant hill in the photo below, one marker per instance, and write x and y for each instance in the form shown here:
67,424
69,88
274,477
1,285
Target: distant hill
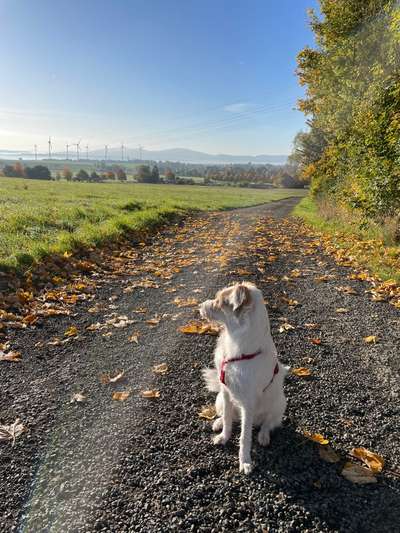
183,155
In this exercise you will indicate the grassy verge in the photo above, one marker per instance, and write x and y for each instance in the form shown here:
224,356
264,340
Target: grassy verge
39,218
371,247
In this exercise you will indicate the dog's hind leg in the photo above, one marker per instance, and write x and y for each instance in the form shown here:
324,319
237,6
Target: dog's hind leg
263,434
226,418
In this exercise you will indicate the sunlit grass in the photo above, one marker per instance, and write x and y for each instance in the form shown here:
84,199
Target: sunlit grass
40,217
372,246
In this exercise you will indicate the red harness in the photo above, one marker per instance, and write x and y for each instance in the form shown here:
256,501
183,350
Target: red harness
244,357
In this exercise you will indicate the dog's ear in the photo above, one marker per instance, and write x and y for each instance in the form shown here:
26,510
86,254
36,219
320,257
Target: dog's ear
240,297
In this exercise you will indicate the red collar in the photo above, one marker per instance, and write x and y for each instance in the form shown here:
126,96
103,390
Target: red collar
243,357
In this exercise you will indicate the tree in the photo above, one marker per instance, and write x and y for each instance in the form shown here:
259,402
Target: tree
67,174
144,174
94,177
38,172
155,174
352,80
170,176
121,174
110,175
82,175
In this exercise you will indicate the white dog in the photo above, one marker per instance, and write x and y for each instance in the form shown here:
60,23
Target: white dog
247,376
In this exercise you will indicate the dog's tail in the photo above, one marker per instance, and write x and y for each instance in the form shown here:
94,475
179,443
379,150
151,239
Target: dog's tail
210,376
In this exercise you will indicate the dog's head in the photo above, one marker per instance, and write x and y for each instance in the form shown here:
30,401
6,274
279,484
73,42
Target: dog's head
233,304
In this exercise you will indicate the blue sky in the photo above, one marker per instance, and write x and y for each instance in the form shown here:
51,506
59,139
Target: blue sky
211,75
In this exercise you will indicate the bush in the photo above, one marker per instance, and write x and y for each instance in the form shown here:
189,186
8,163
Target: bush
38,172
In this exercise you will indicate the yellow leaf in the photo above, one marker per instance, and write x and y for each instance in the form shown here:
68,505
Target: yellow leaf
285,327
134,337
160,369
199,328
316,437
153,321
374,461
342,310
301,372
188,302
121,396
67,255
77,397
106,378
14,357
371,339
71,331
150,393
358,474
208,413
328,454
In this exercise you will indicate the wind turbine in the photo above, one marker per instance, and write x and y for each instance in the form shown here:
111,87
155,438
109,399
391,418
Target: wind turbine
122,151
140,151
49,143
78,145
35,149
87,152
67,154
105,152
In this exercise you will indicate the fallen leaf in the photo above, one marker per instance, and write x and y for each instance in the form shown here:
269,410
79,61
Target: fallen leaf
134,337
342,310
374,461
77,397
153,321
120,396
285,327
301,372
106,378
358,474
199,328
160,369
208,412
371,339
14,357
316,341
72,331
150,394
10,432
316,437
185,302
346,290
328,454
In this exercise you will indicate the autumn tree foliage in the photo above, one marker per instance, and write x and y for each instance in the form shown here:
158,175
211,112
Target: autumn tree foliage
351,150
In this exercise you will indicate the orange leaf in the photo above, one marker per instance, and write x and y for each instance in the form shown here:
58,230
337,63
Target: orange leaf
374,461
316,437
121,396
150,393
301,372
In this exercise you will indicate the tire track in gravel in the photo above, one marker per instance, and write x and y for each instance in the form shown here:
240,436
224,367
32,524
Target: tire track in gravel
143,465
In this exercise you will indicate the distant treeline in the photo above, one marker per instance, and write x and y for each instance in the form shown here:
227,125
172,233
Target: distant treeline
172,173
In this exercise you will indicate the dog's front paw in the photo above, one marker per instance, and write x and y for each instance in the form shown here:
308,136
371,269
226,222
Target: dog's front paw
246,468
217,424
220,439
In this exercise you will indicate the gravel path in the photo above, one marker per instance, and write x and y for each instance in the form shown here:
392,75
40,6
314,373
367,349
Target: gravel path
149,465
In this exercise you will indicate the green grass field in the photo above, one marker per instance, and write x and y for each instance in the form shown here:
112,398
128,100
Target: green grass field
38,218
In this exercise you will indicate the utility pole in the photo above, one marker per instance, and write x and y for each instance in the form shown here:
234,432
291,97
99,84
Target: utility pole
35,149
49,143
105,152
